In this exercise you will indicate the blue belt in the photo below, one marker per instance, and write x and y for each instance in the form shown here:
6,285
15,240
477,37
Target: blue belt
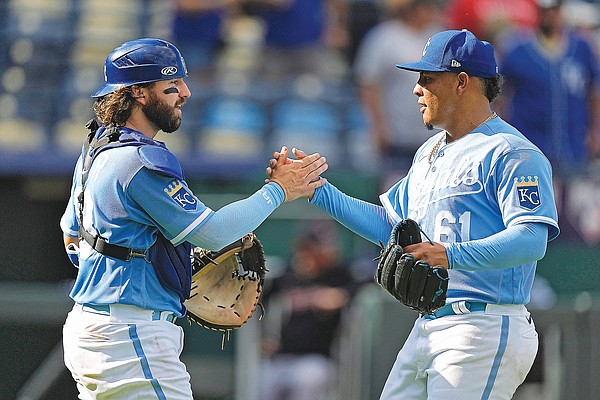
462,307
104,309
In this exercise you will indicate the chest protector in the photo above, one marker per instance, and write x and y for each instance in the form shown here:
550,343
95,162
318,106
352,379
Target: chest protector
172,264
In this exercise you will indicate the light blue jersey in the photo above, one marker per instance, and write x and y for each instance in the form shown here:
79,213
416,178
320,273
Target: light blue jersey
474,187
125,202
134,190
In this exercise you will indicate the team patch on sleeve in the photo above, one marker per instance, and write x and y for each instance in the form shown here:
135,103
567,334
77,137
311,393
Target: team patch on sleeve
181,195
528,192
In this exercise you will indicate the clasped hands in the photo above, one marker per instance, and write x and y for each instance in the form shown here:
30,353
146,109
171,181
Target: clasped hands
297,177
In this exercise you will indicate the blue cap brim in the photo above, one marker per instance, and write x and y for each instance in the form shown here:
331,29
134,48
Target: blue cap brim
420,66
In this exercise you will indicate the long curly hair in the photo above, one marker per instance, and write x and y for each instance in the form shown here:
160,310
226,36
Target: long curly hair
114,109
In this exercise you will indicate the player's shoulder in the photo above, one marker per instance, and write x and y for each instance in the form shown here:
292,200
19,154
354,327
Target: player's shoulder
159,159
505,138
134,151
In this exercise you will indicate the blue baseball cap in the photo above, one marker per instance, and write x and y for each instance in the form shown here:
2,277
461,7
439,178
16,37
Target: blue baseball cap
456,51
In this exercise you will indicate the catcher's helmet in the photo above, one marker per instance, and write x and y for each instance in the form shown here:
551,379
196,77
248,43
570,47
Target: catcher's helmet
141,61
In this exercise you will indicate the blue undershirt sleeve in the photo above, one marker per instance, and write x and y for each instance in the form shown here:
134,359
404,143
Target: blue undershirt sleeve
516,245
237,219
363,218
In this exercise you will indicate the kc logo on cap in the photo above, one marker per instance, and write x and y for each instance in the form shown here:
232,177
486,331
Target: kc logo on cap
456,51
426,46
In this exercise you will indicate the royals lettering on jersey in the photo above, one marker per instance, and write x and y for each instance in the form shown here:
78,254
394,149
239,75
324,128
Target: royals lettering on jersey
528,192
181,195
456,179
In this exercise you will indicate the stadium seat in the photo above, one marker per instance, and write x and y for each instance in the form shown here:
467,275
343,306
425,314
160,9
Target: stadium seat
312,125
19,135
232,125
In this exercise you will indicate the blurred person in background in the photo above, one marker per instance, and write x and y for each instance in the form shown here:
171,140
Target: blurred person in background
584,16
301,36
552,89
304,310
490,19
198,29
362,16
385,92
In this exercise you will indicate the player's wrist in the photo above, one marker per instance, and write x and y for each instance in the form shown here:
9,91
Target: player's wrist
450,252
277,189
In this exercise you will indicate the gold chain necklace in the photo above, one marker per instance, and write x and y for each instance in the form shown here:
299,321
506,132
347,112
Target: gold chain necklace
435,148
439,143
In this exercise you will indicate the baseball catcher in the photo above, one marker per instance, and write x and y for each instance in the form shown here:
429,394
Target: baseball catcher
414,283
226,284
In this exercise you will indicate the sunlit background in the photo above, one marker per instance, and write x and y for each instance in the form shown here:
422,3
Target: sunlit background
241,110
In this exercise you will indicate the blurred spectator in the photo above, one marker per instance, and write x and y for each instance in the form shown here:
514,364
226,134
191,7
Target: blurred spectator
488,19
585,17
551,91
386,91
302,36
362,16
198,30
310,297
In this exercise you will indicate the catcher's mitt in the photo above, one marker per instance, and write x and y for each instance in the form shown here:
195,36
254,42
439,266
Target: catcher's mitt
413,282
226,284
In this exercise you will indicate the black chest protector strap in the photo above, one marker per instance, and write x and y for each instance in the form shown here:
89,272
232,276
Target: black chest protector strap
91,149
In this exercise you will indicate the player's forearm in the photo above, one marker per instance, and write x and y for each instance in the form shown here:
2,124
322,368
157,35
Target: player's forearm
514,246
235,220
363,218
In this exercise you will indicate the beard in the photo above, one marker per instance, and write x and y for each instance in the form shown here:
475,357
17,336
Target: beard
429,126
161,114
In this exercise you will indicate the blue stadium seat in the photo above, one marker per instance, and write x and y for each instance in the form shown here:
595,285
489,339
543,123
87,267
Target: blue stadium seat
37,36
232,125
312,125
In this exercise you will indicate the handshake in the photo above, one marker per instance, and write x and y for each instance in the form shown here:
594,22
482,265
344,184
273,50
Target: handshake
298,177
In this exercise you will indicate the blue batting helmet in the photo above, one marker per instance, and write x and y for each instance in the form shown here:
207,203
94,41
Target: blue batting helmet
141,61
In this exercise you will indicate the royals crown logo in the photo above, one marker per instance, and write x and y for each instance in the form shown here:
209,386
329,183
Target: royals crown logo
528,192
526,181
181,195
173,187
